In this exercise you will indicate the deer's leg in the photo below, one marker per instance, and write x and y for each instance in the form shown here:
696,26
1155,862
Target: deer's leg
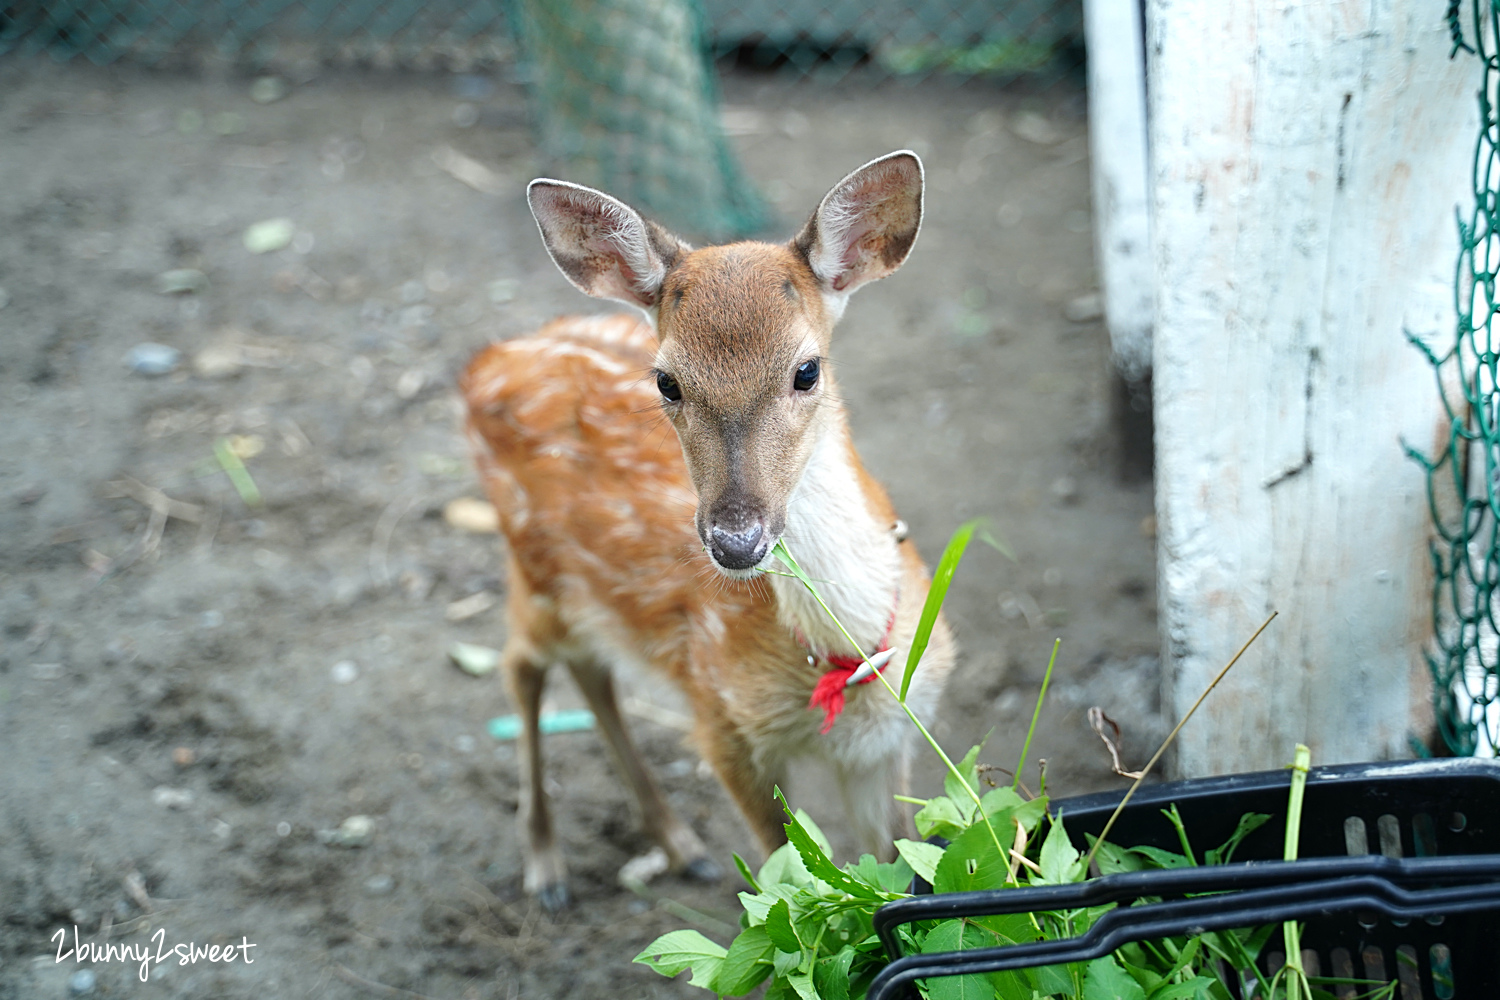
685,852
545,873
869,788
750,781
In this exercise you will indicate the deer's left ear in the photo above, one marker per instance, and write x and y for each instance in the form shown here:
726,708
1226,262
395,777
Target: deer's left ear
865,227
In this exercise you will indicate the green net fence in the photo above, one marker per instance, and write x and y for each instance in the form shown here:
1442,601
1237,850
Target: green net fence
624,91
1463,478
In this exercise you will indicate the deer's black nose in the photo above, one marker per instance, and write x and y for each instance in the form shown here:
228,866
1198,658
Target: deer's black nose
738,549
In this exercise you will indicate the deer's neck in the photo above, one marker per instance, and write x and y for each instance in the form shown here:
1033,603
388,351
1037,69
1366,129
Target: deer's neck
845,545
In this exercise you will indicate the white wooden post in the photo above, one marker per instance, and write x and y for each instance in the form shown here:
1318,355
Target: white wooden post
1307,159
1117,148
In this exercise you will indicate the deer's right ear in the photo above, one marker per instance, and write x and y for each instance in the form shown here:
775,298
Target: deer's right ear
602,245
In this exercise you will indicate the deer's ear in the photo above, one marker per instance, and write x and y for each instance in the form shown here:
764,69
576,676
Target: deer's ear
865,227
602,245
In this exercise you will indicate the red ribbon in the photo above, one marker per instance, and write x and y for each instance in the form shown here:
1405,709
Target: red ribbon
828,693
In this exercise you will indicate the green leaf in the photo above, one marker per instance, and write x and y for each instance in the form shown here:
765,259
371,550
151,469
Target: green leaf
956,935
937,592
678,950
941,816
966,767
1008,928
889,876
1059,859
815,854
923,858
1249,823
745,874
1185,957
803,985
779,928
831,975
1112,859
1053,979
1160,858
759,904
970,862
747,963
1108,981
784,867
1004,807
1196,988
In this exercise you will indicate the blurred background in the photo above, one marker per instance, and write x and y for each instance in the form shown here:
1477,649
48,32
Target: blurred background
246,247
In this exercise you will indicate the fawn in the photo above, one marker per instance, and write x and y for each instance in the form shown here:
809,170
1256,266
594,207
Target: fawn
625,548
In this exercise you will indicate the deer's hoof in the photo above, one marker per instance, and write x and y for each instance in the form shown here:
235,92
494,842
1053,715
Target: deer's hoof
553,897
704,869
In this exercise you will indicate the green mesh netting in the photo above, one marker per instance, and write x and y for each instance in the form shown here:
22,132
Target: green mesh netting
1463,478
626,101
623,90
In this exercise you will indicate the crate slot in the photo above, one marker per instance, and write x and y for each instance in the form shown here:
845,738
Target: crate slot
1373,960
1343,968
1390,835
1441,964
1356,839
1408,974
1424,836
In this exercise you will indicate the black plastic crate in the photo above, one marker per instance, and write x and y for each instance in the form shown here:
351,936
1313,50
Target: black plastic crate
1400,878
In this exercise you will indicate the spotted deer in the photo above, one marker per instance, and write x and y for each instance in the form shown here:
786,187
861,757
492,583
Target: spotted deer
627,546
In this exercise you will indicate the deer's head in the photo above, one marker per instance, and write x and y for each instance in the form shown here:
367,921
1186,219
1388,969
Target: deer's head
743,332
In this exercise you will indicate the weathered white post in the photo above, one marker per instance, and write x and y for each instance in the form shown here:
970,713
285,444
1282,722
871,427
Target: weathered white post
1306,162
1122,200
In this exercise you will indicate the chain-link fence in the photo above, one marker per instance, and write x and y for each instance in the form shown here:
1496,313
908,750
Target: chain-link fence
1463,478
623,90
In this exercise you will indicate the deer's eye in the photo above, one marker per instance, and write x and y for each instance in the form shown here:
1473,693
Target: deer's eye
668,387
807,376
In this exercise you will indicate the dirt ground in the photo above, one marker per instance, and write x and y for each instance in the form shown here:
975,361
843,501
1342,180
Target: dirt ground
188,707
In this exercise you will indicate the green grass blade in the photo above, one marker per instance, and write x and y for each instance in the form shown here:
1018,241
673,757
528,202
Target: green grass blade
1036,714
938,592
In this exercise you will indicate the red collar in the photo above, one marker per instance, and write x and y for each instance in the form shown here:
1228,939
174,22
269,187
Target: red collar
828,693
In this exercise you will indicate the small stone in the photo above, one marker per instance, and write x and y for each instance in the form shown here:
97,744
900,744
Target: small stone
642,869
472,659
1084,308
172,798
345,672
268,90
465,115
503,290
469,607
219,361
410,383
270,235
183,756
380,885
356,831
82,983
1064,490
153,359
211,618
46,671
1035,128
477,517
